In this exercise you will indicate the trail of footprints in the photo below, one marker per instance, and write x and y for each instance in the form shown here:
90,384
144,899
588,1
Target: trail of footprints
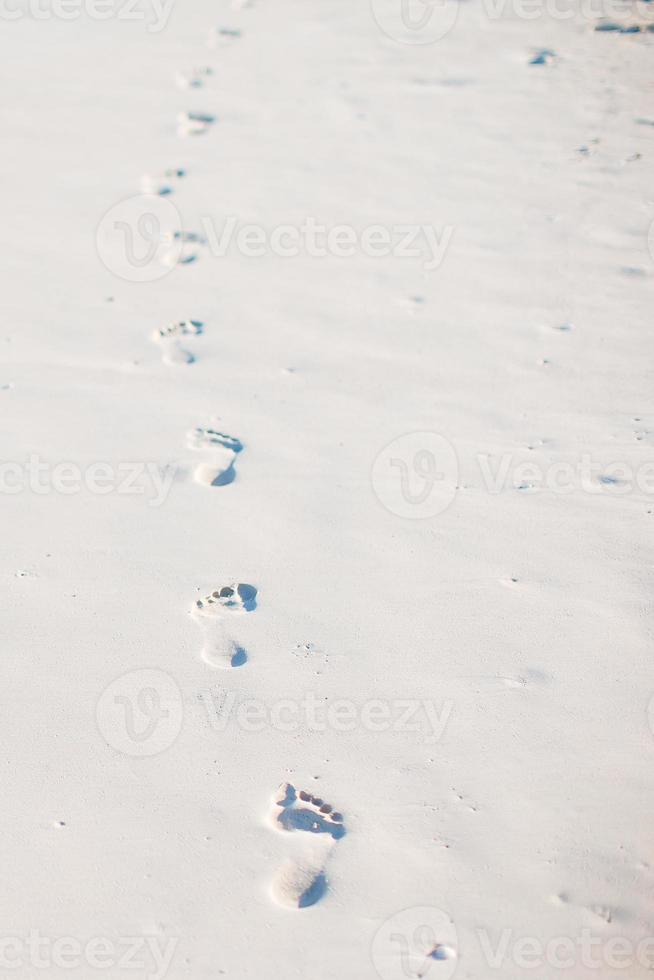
301,881
313,826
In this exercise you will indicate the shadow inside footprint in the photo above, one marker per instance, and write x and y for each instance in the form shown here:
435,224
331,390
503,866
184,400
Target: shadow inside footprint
199,117
239,658
234,598
314,892
440,952
224,478
248,595
301,818
228,442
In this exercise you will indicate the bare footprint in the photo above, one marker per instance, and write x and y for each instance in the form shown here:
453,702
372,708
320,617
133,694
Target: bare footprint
220,37
181,247
185,237
301,881
194,123
162,184
193,78
611,26
215,614
168,338
181,254
542,56
218,470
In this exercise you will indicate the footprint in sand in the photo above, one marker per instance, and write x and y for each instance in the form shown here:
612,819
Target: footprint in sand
302,881
216,615
183,247
220,37
168,338
186,237
611,26
193,78
542,56
162,184
218,470
193,123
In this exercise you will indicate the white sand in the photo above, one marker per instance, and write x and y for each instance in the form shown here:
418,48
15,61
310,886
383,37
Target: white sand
519,619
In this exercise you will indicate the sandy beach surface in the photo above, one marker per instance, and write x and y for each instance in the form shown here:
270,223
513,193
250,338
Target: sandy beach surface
327,478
